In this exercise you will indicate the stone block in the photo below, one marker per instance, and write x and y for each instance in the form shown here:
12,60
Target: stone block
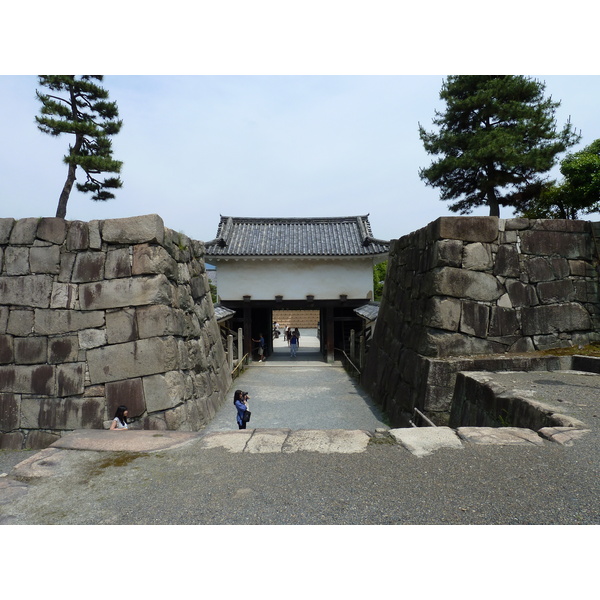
91,338
422,441
546,319
460,283
132,359
6,226
477,257
538,268
12,441
468,229
149,259
20,322
70,379
7,351
95,236
67,260
38,440
129,393
52,229
45,259
199,286
442,313
118,264
58,321
555,243
521,294
23,231
581,268
116,293
503,322
554,292
163,392
500,436
16,260
160,320
89,266
64,295
507,261
28,290
63,349
20,379
31,350
446,253
134,230
121,326
78,236
62,413
475,319
10,409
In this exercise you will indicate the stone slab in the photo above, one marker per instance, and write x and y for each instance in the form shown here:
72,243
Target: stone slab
563,435
327,441
500,436
232,441
123,440
422,441
265,441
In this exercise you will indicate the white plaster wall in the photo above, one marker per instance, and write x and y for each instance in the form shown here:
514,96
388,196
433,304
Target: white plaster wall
294,279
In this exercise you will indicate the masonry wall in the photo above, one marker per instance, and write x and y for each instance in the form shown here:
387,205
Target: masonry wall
477,287
98,314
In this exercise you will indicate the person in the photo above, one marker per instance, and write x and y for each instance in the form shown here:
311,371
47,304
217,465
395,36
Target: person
288,334
240,401
276,332
261,347
119,423
293,345
297,332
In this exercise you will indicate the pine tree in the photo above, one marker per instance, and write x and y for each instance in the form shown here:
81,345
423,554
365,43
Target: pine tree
80,107
496,138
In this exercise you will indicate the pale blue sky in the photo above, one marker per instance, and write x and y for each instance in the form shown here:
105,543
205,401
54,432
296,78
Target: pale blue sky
195,147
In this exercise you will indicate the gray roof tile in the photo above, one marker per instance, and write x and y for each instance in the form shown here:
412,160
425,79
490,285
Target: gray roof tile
319,236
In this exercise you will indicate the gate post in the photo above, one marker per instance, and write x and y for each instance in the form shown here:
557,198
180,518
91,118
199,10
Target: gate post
230,351
240,344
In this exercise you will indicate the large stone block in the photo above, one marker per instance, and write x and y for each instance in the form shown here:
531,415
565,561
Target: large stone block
91,338
446,253
160,320
20,322
63,349
12,441
70,379
45,259
503,322
57,321
52,229
19,379
89,266
16,260
555,292
475,319
10,410
121,326
7,349
37,440
477,257
28,290
132,359
546,319
460,283
23,231
31,350
64,295
116,293
78,237
149,259
118,264
163,392
507,261
134,230
443,313
521,294
556,243
129,393
468,229
6,226
62,413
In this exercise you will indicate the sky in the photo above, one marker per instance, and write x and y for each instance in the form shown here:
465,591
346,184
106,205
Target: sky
273,108
195,147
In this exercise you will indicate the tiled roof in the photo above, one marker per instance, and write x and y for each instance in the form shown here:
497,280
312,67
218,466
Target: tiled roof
223,313
320,236
369,312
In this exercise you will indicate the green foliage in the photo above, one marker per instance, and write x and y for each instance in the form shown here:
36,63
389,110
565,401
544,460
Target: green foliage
578,193
379,272
79,107
497,135
213,293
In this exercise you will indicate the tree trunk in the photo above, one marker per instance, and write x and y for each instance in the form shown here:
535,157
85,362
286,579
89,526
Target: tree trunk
493,203
61,210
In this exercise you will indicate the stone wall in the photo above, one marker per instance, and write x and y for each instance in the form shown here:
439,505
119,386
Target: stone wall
477,286
98,314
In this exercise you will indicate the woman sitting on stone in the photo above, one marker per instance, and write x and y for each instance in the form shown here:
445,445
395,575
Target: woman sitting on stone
119,423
